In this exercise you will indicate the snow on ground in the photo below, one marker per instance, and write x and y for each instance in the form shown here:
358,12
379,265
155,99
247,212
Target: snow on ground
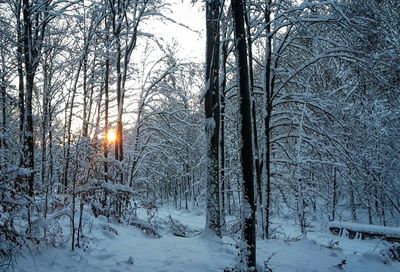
308,255
367,228
131,250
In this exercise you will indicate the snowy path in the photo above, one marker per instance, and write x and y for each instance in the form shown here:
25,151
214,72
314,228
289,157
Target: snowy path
131,250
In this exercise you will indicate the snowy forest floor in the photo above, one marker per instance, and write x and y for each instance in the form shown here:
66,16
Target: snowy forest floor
115,247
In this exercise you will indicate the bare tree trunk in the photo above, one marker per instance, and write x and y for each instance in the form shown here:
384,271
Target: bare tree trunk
29,78
118,141
21,90
47,74
91,92
334,194
73,211
212,112
117,14
222,161
50,132
68,129
383,206
67,148
249,207
45,101
268,92
50,164
106,104
352,204
32,38
85,98
369,208
257,164
222,78
298,177
3,93
80,224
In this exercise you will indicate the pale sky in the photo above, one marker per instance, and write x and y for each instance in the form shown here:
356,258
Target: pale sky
192,43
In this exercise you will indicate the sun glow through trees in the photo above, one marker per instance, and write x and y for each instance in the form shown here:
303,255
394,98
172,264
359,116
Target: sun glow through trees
111,136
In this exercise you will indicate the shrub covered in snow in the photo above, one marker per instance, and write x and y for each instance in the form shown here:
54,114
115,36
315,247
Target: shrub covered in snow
392,252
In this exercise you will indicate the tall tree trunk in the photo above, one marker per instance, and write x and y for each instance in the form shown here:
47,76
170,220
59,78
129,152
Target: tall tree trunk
45,101
29,57
268,92
334,194
117,30
106,102
3,110
298,177
47,73
118,141
90,116
352,203
21,90
257,164
85,99
3,124
67,148
50,132
212,114
383,206
106,105
50,171
249,207
223,181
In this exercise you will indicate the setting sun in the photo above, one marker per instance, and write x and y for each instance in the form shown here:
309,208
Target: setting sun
111,136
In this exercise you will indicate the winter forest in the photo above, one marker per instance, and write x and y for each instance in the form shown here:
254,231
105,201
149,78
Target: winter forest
204,136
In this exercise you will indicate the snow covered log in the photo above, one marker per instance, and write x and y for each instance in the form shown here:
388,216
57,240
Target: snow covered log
181,230
146,227
365,231
177,228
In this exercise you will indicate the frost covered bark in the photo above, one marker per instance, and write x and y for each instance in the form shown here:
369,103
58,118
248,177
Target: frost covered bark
212,112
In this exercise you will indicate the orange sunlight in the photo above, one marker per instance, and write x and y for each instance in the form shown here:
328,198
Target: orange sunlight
111,136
